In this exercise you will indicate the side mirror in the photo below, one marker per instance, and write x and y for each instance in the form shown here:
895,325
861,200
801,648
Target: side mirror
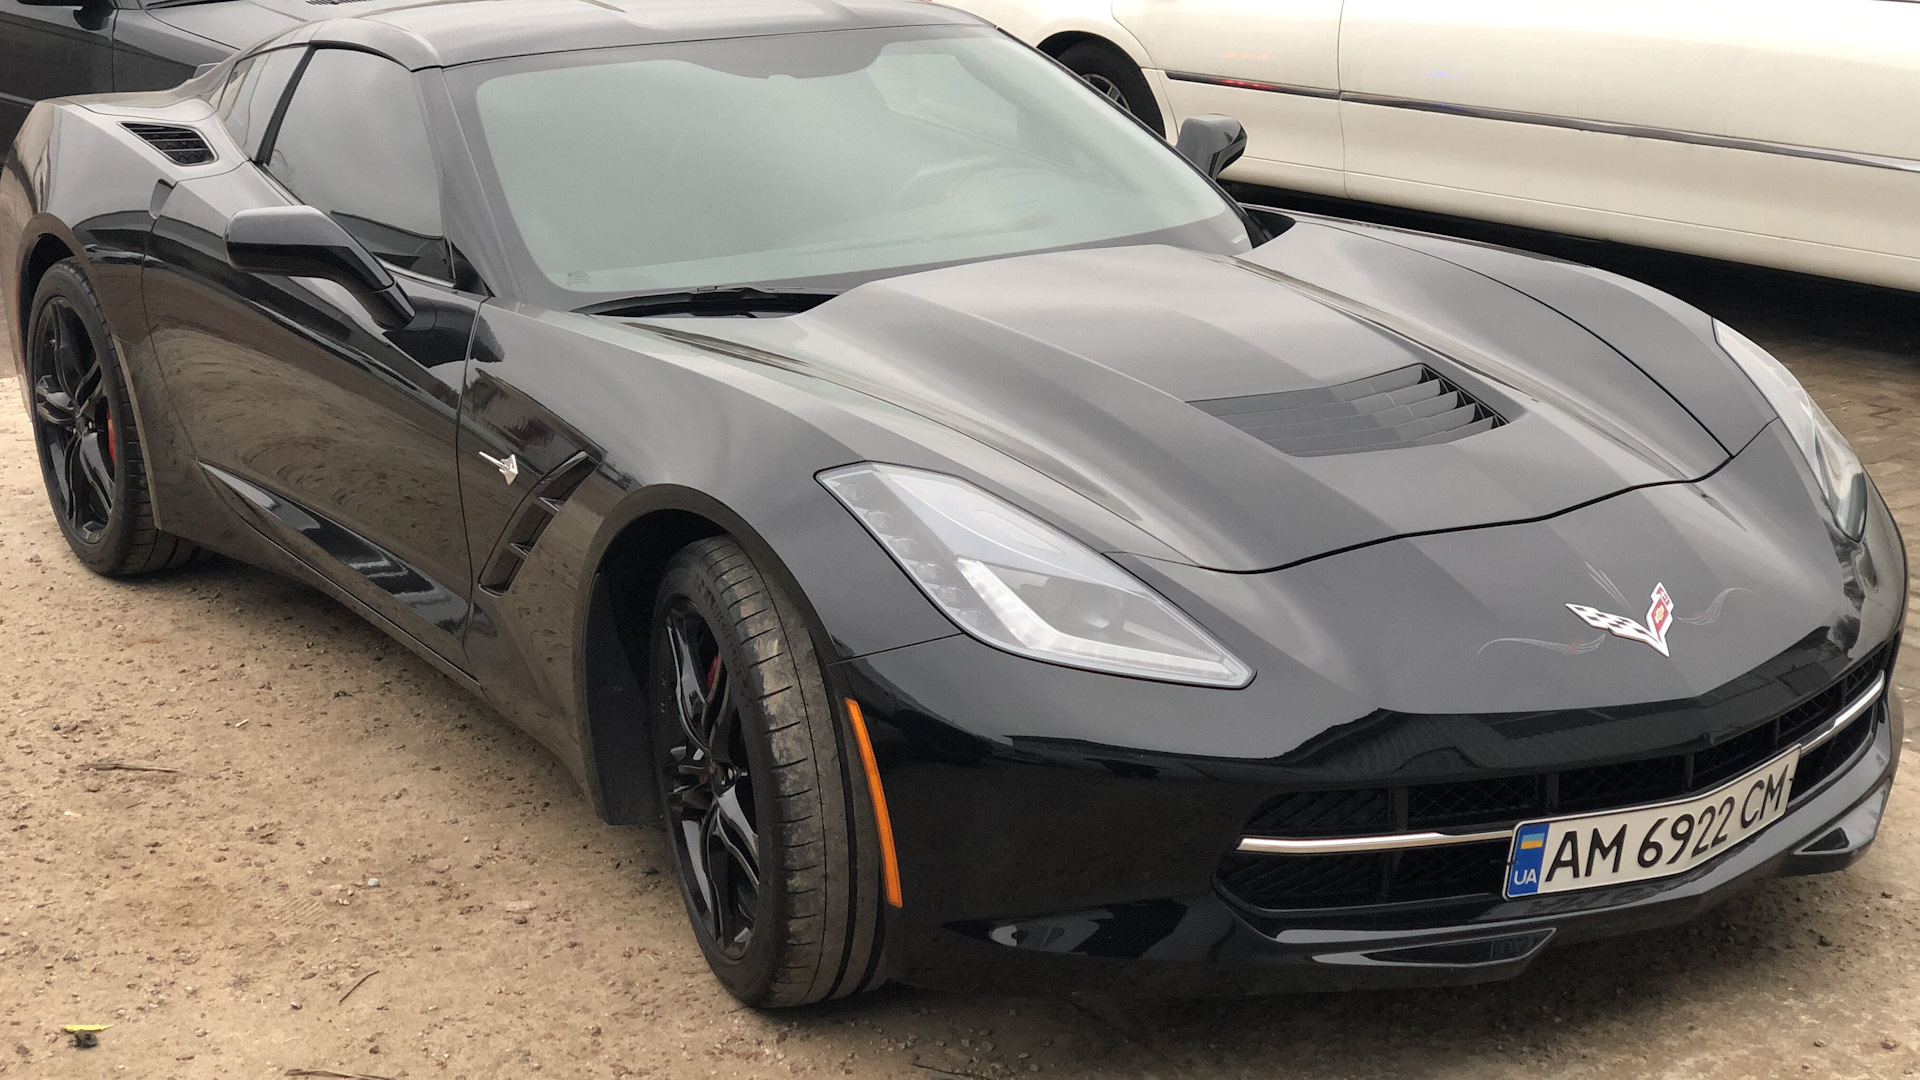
1212,142
301,241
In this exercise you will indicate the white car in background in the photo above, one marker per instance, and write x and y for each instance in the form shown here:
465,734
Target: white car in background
1779,132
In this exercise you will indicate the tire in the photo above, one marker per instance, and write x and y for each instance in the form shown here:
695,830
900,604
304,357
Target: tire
1115,77
772,833
83,427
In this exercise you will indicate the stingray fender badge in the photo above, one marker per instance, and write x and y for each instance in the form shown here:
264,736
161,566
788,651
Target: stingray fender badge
1659,617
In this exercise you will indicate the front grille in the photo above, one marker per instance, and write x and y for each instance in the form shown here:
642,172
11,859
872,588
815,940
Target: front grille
1297,882
1409,406
1476,800
1326,813
182,145
1358,880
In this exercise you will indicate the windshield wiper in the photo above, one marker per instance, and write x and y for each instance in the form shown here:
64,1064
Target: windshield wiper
715,300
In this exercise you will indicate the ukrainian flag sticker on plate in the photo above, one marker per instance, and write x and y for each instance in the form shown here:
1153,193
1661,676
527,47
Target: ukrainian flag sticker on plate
1529,851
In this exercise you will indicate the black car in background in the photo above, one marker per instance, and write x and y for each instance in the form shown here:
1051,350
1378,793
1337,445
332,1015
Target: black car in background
57,48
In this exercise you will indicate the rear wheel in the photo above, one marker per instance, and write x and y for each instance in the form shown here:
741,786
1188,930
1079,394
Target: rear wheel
90,453
1116,77
772,842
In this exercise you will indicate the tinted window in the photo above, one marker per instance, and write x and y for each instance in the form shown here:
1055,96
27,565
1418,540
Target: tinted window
825,156
353,142
252,92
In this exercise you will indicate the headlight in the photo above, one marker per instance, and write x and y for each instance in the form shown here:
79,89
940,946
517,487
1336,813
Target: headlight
1833,462
1022,585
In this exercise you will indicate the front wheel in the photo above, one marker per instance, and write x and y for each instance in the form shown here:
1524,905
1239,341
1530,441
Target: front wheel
83,427
1115,77
773,841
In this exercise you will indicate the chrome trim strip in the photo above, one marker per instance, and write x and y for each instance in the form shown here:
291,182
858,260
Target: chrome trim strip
1341,845
1390,842
1604,127
1846,716
1255,84
1641,131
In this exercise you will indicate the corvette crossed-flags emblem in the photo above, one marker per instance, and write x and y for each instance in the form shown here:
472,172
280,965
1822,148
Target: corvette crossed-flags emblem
1654,633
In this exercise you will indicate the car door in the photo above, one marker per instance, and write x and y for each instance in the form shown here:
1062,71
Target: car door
1768,130
335,435
1271,64
51,50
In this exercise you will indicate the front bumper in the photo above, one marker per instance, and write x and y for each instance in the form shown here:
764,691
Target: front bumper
1066,829
1201,944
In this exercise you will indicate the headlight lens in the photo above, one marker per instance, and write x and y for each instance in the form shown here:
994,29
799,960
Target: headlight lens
1022,585
1833,462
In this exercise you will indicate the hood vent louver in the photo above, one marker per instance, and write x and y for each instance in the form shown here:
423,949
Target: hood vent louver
1409,406
183,146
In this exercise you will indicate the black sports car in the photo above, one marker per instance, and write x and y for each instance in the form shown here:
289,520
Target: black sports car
1001,559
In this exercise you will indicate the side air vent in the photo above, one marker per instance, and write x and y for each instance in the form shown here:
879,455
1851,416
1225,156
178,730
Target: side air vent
1409,406
183,145
516,544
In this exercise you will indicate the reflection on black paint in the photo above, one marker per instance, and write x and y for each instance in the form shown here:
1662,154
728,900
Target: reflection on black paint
1120,931
433,602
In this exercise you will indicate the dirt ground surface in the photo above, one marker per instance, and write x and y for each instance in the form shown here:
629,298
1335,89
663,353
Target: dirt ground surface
223,914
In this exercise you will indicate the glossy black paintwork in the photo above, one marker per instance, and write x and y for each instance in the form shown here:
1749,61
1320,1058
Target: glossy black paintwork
1401,609
1096,390
1141,939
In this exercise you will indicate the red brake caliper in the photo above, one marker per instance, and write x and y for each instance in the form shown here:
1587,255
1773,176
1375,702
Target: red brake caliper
112,436
713,674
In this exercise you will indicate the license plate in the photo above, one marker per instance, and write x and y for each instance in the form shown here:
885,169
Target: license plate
1591,851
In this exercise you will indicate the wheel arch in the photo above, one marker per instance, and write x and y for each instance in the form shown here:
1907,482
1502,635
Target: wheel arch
639,540
41,254
1063,35
44,244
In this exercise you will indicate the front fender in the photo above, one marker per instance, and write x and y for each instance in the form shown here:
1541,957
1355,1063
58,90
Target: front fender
680,434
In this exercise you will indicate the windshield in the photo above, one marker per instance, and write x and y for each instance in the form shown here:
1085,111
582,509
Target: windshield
821,159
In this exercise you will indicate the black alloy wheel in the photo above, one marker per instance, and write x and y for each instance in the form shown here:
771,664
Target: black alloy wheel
73,419
84,428
772,830
709,786
1114,76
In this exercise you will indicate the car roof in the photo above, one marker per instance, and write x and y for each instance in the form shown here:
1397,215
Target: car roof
450,32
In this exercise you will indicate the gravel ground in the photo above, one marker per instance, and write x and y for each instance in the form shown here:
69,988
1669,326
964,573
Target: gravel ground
223,914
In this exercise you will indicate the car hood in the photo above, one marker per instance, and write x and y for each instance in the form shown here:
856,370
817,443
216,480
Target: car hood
1086,365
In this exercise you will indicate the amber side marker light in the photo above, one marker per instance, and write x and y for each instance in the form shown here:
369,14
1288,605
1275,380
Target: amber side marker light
883,823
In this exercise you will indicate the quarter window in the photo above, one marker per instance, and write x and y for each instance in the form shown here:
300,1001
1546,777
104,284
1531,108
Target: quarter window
353,142
253,91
